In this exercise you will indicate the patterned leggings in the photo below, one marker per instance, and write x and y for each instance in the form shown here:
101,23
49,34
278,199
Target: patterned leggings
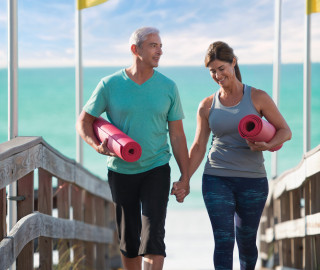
230,202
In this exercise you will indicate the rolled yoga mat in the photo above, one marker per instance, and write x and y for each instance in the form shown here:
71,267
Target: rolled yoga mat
118,142
256,129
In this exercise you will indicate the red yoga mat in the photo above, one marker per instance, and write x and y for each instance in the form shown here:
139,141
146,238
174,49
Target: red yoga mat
118,142
253,128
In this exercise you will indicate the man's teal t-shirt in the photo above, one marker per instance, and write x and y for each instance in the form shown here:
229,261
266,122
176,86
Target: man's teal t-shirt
141,112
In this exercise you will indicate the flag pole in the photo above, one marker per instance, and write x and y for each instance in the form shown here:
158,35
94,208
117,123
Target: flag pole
79,82
12,100
276,75
307,88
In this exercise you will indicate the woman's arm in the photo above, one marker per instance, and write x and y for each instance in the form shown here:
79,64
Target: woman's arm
267,108
199,146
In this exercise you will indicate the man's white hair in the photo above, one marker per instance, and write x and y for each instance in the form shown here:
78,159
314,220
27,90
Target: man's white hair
140,35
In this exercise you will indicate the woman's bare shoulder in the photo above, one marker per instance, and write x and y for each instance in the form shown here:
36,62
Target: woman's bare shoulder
205,105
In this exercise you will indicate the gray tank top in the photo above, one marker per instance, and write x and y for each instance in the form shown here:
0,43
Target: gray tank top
230,155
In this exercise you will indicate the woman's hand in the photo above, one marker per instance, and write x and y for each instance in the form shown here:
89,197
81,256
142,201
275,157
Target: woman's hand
258,146
180,189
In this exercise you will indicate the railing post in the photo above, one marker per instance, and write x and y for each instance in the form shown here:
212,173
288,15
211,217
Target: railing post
77,206
26,207
89,219
63,205
45,204
101,220
113,251
3,213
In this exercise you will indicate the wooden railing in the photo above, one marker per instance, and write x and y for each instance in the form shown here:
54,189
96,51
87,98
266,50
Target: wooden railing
290,225
83,231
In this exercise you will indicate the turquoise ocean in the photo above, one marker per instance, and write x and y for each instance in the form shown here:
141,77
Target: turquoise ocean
46,101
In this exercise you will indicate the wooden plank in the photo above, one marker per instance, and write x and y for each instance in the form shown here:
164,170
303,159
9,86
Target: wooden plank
313,162
317,191
45,203
317,249
313,195
310,225
290,229
17,145
57,165
3,213
307,260
277,211
113,250
26,207
313,224
101,220
295,197
307,197
37,225
19,165
89,218
285,206
77,206
63,205
297,252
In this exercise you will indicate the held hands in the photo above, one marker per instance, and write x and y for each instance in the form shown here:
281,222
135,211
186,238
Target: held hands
180,189
104,150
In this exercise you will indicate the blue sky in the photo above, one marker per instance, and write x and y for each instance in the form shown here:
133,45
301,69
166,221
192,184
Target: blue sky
46,30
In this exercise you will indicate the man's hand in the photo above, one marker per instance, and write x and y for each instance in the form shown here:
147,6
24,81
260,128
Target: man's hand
180,189
104,150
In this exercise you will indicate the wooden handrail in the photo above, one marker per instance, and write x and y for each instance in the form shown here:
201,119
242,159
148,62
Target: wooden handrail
37,224
290,224
22,155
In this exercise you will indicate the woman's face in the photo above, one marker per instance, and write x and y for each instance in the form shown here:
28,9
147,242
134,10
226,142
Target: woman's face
222,73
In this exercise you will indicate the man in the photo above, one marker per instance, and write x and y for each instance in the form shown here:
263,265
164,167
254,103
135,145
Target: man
142,103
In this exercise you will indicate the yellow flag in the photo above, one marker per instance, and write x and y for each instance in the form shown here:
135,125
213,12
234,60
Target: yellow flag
89,3
313,6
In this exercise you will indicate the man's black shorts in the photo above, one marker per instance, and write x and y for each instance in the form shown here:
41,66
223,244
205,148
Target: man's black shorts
141,206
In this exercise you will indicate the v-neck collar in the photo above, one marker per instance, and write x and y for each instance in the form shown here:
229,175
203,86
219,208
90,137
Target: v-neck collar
136,84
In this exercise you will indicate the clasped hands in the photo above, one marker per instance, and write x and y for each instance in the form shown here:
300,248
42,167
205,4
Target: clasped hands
180,189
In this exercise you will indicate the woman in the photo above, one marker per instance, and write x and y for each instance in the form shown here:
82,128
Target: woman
234,183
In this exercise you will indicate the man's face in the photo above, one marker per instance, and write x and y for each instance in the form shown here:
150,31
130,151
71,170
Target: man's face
150,51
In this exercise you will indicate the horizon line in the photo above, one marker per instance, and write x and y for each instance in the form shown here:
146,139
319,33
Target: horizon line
160,66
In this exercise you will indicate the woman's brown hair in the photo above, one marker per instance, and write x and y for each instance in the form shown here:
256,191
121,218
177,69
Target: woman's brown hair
220,50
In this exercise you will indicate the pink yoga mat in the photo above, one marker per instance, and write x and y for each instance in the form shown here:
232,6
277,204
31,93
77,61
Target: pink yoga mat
118,142
256,129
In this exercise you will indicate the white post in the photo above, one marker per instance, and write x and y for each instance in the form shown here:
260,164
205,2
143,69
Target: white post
307,89
79,83
12,99
276,75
